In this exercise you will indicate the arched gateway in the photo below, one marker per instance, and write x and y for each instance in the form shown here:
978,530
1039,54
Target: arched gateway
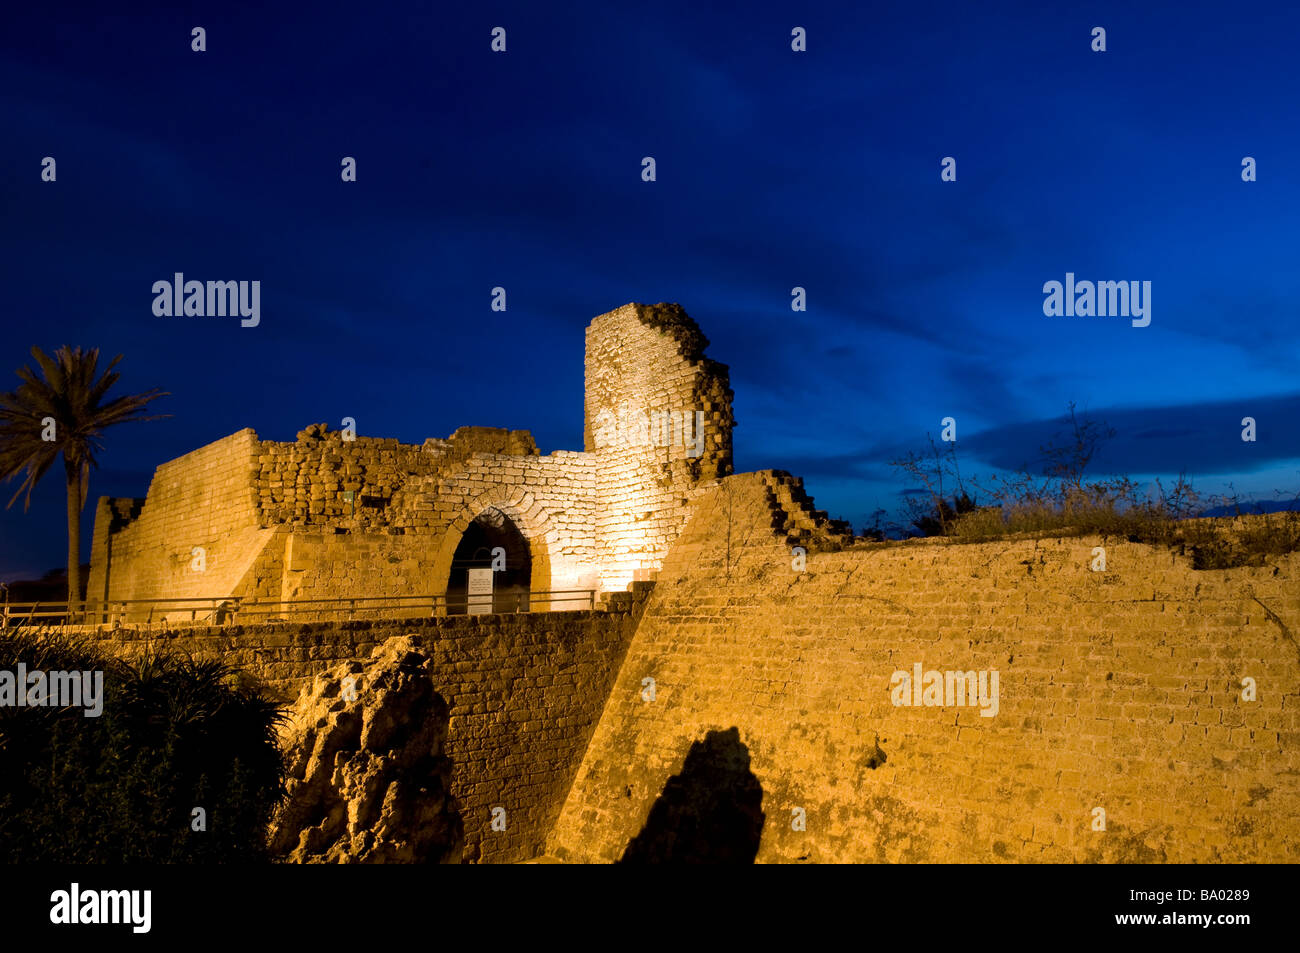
491,569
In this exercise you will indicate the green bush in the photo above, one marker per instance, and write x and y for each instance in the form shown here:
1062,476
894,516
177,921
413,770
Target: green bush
174,734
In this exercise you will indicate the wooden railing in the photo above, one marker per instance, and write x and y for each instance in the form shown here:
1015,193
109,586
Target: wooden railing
233,610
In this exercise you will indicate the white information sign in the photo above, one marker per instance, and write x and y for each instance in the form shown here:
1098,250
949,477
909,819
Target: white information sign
480,592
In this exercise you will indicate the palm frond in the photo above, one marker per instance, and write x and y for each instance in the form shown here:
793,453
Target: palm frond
69,388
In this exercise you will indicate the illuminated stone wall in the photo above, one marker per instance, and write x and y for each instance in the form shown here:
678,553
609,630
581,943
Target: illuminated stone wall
1118,690
658,420
755,703
332,516
204,501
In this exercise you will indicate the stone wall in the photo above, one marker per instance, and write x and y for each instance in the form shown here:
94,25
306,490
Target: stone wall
548,498
524,692
325,517
551,499
293,535
204,500
1118,689
645,369
304,482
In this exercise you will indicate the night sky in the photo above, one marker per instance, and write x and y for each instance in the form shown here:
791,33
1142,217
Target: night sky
775,169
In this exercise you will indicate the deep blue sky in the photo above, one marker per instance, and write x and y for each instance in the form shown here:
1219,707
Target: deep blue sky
775,169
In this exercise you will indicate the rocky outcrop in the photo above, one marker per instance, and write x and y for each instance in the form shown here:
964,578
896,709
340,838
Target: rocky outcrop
368,780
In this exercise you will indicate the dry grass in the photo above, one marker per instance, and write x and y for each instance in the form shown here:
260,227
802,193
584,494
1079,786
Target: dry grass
1222,543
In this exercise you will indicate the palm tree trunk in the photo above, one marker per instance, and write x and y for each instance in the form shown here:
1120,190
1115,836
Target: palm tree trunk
74,537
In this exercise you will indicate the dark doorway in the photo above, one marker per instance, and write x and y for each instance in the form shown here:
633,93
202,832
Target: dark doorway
710,813
491,531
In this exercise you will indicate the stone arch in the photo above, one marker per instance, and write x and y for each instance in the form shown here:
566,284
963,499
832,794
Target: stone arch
529,517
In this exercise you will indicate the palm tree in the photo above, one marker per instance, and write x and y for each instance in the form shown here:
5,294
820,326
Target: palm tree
63,413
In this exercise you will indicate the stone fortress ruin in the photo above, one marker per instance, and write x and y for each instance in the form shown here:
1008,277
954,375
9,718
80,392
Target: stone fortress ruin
335,516
730,695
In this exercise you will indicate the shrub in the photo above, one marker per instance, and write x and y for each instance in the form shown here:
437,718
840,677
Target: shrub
1061,501
174,734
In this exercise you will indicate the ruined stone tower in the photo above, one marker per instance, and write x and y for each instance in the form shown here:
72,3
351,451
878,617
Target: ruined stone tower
658,421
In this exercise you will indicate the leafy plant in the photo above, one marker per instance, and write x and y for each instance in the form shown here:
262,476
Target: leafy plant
174,734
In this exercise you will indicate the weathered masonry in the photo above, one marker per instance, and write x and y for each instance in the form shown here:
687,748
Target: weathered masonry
327,517
1123,732
1121,702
